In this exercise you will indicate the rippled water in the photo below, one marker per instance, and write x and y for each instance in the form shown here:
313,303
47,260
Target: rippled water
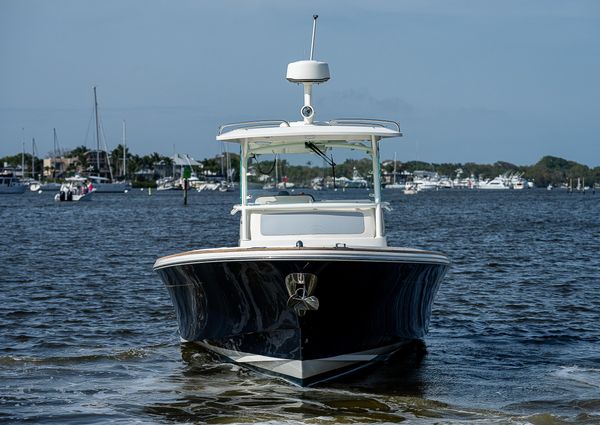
89,334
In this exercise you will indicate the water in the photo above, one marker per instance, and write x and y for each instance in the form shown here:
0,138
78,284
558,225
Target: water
89,334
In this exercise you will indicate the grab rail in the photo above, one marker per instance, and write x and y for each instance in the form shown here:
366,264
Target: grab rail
252,124
312,206
392,125
366,121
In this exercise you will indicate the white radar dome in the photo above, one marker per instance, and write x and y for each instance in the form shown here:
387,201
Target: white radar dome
307,71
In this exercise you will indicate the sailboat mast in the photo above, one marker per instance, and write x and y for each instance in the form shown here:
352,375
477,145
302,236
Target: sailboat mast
124,149
54,155
222,158
23,153
394,167
174,158
227,163
32,158
97,132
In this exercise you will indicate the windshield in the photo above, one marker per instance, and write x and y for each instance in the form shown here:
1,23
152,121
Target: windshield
313,173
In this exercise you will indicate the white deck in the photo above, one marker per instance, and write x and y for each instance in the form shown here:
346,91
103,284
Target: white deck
288,220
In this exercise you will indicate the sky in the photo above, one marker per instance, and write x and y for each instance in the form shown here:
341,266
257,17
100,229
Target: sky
468,80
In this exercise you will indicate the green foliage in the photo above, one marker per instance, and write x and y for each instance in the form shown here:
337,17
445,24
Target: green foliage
14,161
553,170
215,164
548,170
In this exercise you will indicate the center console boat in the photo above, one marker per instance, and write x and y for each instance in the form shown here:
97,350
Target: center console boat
313,290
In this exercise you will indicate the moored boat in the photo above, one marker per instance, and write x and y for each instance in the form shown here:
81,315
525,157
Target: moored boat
9,184
74,189
44,186
106,185
102,176
497,183
312,291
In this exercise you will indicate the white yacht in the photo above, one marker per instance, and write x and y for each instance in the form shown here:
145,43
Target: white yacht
425,180
9,184
517,181
445,183
497,183
313,290
168,183
519,185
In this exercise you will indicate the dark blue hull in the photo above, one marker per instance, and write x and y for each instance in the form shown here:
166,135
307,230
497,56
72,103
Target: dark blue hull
242,310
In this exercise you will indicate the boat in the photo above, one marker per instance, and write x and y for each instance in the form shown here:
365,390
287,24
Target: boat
11,185
425,180
209,186
44,186
74,189
410,188
312,291
105,183
497,183
317,183
394,184
177,180
31,182
519,185
517,182
356,182
285,184
445,183
226,186
168,183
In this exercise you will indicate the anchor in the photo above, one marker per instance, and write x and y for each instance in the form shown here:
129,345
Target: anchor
300,287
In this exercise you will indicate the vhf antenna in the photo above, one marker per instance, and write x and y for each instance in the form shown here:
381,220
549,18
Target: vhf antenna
308,73
314,32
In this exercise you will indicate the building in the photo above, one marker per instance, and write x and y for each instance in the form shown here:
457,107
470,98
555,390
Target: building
56,167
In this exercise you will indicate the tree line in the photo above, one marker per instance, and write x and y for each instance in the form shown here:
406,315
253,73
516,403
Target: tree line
548,170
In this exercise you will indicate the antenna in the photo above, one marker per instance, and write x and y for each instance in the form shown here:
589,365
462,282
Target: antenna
308,73
314,32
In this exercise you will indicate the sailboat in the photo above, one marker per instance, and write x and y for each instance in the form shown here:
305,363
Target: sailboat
31,181
394,184
227,184
104,184
42,186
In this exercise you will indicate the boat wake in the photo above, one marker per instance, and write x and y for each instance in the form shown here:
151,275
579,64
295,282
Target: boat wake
129,354
587,376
